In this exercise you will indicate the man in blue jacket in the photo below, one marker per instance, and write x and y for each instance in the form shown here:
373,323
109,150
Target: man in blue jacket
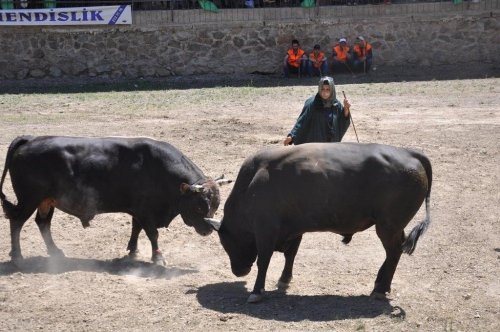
323,118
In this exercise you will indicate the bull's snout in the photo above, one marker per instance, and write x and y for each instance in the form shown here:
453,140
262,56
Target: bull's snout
200,225
241,272
204,230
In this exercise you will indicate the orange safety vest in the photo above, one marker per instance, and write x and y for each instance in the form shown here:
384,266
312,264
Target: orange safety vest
294,59
341,52
316,60
361,52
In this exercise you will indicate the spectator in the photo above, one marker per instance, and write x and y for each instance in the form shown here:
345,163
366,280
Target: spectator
323,117
317,64
362,55
341,57
295,60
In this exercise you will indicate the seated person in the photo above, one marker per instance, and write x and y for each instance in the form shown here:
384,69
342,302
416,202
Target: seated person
341,60
295,60
362,55
317,64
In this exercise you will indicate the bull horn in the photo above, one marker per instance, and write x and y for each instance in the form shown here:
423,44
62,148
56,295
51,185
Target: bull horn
221,182
214,223
219,178
197,188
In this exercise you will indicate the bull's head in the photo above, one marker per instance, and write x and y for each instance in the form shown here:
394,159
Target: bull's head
238,244
200,201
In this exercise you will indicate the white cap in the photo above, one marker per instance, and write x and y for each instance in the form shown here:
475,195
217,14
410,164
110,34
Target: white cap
342,40
360,38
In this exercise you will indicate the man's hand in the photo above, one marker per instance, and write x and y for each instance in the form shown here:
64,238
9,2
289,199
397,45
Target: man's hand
288,140
347,106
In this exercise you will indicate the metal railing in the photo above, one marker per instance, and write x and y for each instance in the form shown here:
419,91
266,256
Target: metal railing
181,12
220,4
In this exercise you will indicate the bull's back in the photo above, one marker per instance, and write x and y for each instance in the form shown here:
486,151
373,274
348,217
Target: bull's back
74,156
356,176
81,167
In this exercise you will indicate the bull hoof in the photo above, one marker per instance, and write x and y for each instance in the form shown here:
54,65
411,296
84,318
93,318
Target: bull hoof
159,260
17,260
133,255
56,253
255,298
379,296
15,257
282,285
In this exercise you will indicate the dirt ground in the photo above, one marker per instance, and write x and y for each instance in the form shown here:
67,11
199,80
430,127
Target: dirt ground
450,283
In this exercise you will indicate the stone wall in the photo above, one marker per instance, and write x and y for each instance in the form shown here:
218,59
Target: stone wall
159,44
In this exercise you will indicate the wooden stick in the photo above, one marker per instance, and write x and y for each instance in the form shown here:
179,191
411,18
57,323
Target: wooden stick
352,121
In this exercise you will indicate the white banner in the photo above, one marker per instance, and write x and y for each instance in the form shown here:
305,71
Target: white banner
108,15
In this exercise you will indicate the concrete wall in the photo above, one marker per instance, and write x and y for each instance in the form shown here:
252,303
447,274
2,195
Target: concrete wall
163,43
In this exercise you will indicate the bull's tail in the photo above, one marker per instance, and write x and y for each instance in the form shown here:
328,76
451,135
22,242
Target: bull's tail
410,243
10,209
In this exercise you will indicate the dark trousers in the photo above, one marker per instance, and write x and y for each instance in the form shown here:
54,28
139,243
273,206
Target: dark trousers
360,66
341,67
313,71
301,70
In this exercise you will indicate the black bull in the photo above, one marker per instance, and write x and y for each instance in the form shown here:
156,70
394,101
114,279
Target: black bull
148,179
282,193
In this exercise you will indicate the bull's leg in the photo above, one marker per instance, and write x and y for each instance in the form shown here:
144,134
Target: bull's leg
134,237
20,214
15,231
290,253
266,242
157,257
392,241
43,220
263,260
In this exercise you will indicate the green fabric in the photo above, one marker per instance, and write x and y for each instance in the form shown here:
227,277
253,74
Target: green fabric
308,3
456,2
49,3
208,6
7,4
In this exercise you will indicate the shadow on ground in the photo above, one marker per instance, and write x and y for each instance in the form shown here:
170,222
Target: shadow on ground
230,298
120,266
382,74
